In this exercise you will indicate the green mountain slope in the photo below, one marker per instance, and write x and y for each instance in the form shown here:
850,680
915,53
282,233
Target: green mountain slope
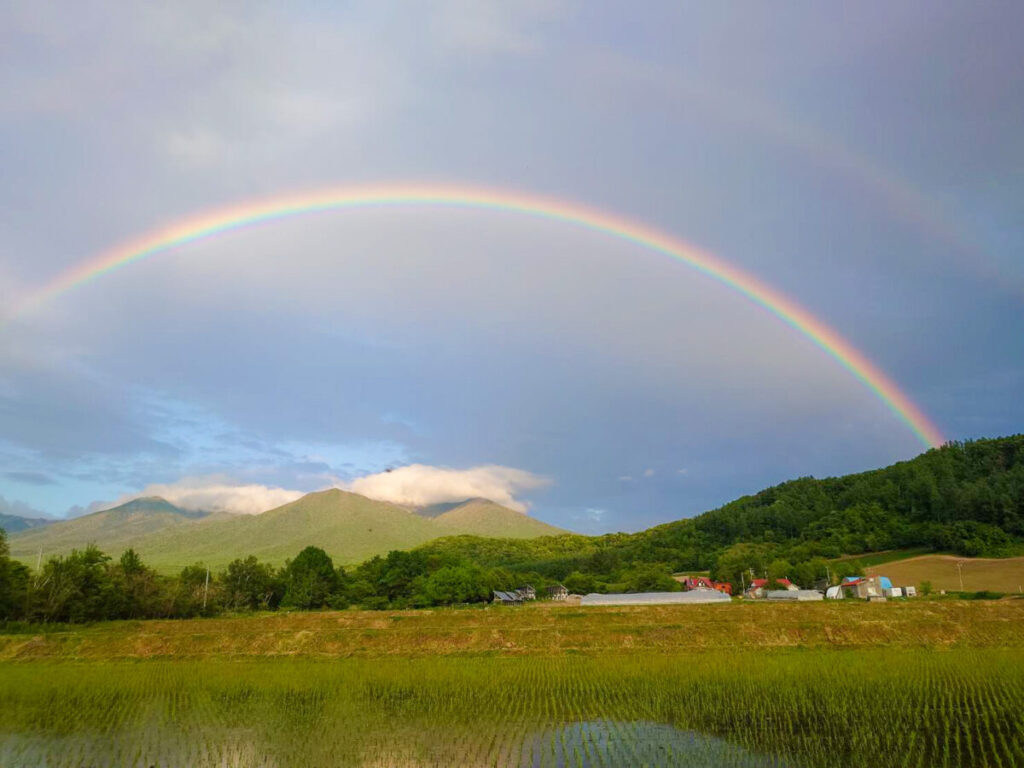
350,527
966,498
114,530
16,523
482,517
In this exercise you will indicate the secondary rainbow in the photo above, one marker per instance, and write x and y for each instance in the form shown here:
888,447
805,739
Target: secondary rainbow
256,212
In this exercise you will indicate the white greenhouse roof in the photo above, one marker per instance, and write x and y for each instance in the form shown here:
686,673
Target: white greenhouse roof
657,598
795,594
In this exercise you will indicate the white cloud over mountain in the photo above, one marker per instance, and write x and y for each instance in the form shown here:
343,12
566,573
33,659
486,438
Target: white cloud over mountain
217,494
419,485
415,484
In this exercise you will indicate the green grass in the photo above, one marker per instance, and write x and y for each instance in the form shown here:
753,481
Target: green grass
807,708
973,574
880,558
740,628
920,684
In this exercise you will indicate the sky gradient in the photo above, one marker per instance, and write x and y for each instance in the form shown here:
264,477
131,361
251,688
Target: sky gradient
867,163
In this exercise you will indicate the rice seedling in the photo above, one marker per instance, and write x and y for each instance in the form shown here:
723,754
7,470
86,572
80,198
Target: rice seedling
815,708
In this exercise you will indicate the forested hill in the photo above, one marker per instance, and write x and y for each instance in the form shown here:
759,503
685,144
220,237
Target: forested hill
964,497
967,497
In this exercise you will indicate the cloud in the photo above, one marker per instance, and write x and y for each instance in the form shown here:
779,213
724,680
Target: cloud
19,508
648,473
217,494
30,478
420,485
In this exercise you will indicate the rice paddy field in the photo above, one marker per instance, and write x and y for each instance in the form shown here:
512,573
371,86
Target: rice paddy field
841,685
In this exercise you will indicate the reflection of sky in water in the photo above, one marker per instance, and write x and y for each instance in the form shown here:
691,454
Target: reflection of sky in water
589,744
616,743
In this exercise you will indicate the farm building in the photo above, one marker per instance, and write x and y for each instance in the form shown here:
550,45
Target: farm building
703,582
507,598
527,592
863,587
693,597
797,595
757,588
557,592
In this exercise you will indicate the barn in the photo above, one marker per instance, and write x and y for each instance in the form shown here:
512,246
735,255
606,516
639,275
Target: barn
507,598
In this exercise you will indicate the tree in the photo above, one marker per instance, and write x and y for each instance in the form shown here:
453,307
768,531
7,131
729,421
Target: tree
136,588
194,594
75,588
579,583
652,577
735,564
14,581
249,584
457,584
778,570
310,580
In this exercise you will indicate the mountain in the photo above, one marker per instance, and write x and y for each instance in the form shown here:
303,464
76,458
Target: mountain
965,497
482,517
16,523
350,527
114,530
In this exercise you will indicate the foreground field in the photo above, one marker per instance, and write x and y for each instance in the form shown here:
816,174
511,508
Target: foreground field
979,573
543,629
825,685
787,708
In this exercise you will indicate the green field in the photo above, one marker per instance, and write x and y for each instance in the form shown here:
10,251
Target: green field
810,708
909,684
977,573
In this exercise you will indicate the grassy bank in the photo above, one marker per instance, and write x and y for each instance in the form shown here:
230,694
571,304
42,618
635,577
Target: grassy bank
540,630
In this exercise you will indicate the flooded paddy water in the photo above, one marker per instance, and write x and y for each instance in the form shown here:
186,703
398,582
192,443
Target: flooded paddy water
812,708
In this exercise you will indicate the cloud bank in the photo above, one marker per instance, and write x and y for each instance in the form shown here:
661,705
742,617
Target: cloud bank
420,485
218,495
413,485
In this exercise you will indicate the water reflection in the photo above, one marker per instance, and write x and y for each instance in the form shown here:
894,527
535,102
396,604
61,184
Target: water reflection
596,743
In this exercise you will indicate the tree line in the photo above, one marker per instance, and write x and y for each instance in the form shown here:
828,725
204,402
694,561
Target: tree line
89,585
966,498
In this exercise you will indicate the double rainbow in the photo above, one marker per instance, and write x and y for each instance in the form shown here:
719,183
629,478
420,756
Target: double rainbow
250,213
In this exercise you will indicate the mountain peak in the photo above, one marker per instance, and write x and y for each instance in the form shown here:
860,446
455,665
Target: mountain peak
149,505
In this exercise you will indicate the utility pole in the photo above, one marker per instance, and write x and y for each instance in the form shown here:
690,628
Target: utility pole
960,573
206,587
39,560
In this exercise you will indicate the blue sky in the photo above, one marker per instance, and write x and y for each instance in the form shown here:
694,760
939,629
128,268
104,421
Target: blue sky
867,161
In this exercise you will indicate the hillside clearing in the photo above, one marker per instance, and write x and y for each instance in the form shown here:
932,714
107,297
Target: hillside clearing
997,575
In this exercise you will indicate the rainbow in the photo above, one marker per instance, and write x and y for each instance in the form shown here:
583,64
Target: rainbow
255,212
